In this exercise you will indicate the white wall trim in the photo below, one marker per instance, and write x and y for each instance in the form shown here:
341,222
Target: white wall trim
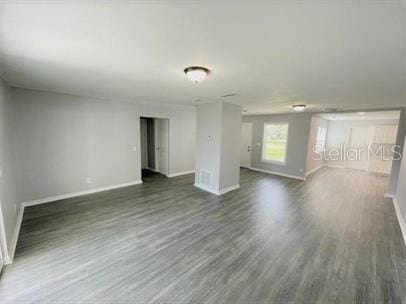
4,246
228,189
80,193
181,173
13,244
279,174
335,166
314,170
401,221
388,195
14,238
218,192
206,189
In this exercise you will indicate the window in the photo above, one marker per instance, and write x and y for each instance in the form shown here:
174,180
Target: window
321,139
275,142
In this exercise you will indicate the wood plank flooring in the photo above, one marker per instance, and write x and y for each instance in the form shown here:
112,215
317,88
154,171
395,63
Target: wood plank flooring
331,239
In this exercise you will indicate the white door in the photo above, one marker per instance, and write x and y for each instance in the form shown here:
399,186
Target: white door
162,145
246,144
357,148
382,143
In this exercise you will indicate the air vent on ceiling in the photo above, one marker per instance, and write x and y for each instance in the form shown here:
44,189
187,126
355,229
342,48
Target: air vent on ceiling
205,178
331,109
229,95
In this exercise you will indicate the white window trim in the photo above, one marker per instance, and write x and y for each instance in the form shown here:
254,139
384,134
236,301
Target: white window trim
275,162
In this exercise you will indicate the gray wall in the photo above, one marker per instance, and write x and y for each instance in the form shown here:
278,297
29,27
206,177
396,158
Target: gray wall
63,139
7,166
230,145
299,128
400,140
208,141
401,194
218,144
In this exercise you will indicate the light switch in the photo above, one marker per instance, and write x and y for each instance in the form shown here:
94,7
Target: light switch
134,149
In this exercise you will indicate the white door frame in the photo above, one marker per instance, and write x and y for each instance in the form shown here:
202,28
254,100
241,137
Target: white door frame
158,148
168,142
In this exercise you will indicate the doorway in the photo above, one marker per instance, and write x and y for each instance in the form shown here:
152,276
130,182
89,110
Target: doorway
154,147
246,145
355,140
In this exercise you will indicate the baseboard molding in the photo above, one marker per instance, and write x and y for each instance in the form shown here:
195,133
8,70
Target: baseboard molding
4,246
217,192
334,166
228,189
279,174
181,173
314,170
388,195
80,193
13,244
206,189
401,221
14,238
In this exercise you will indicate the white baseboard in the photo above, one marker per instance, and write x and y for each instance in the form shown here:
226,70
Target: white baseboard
14,238
80,193
4,246
217,192
388,195
9,259
314,170
279,174
206,189
334,166
181,173
228,189
401,221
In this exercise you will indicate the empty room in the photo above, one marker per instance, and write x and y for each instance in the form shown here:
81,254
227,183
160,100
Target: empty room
202,151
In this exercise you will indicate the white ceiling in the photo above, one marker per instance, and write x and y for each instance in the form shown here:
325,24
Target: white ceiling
381,115
341,54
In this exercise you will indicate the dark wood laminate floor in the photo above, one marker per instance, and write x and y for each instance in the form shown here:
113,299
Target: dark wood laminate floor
331,239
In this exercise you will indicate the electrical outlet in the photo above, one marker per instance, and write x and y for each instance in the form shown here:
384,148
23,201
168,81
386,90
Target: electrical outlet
88,180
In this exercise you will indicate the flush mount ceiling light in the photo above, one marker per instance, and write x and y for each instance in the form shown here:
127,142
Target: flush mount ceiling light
196,73
299,108
361,113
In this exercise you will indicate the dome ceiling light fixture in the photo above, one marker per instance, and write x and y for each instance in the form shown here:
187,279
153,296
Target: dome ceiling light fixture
196,73
299,107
